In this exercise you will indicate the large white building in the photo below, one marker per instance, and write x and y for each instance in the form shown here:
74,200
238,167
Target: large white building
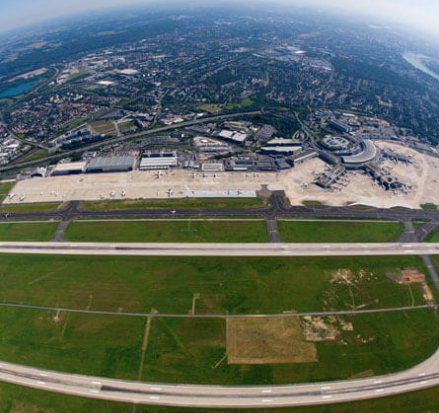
158,160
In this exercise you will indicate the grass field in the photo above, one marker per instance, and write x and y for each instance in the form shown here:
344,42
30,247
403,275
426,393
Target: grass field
210,107
187,350
36,155
27,231
194,350
107,346
35,207
73,124
15,399
429,207
235,285
104,127
313,203
205,203
293,231
361,207
5,187
168,231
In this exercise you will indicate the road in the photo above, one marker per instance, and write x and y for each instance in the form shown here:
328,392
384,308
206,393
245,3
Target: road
422,376
220,249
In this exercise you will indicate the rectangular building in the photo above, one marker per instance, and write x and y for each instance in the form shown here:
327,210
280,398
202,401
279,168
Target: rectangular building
70,168
112,164
158,160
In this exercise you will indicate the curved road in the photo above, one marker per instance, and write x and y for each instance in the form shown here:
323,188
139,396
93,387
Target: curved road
422,376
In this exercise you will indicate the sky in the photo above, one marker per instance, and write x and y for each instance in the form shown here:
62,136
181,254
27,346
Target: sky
419,14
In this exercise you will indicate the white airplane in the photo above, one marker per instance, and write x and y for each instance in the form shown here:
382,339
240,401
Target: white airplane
173,212
11,196
123,193
112,193
22,197
169,192
158,175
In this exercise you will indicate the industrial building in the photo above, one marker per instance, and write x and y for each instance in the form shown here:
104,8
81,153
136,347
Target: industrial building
210,146
234,136
112,164
158,160
212,167
70,168
281,150
279,146
244,163
284,142
303,157
339,126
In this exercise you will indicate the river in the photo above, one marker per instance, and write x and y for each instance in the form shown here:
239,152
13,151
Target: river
417,60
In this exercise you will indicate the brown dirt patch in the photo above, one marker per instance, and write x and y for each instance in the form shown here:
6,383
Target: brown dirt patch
409,276
325,328
342,275
320,329
268,341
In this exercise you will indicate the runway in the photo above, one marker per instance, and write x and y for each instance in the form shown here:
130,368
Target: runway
221,249
422,376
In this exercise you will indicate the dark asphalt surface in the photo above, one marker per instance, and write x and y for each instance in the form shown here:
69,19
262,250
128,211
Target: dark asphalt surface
275,210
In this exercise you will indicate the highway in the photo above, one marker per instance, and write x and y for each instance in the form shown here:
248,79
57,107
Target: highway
422,376
220,250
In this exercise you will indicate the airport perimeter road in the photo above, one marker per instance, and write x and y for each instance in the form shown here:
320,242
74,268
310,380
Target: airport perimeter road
220,250
422,376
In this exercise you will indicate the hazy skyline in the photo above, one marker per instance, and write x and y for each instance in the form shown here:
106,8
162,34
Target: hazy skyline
420,14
